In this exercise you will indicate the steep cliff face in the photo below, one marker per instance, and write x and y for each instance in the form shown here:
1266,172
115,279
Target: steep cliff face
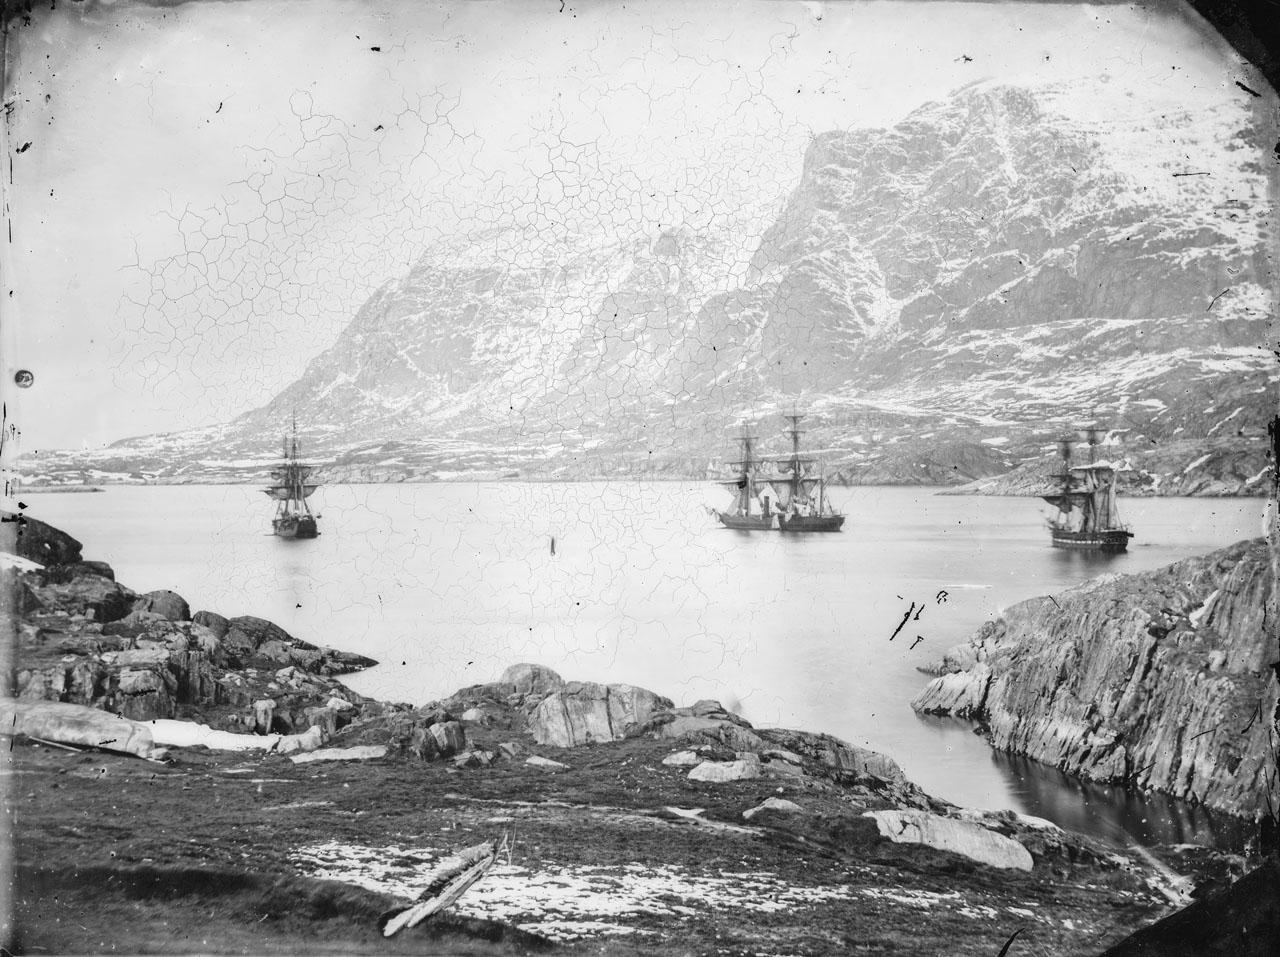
946,294
1159,680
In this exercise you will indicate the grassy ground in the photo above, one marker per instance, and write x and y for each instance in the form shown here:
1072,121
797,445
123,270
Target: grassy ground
203,855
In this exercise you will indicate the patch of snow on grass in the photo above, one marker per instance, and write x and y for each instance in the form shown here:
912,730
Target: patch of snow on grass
562,901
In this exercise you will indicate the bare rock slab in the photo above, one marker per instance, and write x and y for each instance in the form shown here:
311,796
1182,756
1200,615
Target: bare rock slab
682,759
362,753
76,725
721,772
947,834
772,806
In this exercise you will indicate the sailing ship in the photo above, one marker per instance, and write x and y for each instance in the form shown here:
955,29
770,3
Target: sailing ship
743,514
291,489
1087,515
803,498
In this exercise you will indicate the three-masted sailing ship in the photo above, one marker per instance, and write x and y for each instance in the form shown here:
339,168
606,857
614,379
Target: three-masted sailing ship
291,489
802,503
803,498
1087,515
747,512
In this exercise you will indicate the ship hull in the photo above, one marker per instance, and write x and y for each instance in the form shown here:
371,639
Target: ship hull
1108,540
304,527
811,523
747,523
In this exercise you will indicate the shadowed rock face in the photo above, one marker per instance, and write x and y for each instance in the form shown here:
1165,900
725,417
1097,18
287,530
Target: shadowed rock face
1240,921
36,541
1158,680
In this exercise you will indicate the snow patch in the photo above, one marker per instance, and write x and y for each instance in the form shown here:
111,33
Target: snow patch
566,902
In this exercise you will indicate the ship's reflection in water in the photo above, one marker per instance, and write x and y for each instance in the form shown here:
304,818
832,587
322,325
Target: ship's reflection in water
1116,814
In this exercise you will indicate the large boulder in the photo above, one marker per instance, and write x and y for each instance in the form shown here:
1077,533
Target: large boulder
166,604
449,737
76,725
428,734
532,679
719,772
143,694
585,712
246,634
947,834
36,541
93,596
213,621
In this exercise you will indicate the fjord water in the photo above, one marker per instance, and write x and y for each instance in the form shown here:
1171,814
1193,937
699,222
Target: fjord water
447,584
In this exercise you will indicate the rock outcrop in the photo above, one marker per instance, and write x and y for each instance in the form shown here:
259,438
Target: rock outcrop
36,541
86,640
535,700
585,712
948,834
1160,680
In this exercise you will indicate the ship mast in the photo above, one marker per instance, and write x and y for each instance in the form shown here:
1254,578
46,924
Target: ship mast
746,482
795,463
1093,518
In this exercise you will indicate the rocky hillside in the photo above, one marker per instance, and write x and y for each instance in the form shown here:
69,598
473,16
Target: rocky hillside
946,296
1160,680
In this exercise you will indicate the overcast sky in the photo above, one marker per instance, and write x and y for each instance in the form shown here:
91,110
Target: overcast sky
212,189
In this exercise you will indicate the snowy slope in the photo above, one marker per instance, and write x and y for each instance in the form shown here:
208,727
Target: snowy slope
945,296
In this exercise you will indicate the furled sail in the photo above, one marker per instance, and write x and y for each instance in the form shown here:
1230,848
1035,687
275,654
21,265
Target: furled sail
1065,501
281,492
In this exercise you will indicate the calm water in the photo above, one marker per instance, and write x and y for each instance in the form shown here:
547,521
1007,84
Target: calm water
447,584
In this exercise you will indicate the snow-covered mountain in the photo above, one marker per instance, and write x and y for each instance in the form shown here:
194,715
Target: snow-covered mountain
944,296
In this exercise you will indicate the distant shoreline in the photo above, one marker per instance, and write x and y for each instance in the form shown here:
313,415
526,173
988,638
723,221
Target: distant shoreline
47,489
955,490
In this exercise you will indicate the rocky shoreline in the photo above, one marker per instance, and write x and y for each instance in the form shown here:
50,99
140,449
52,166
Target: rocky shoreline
1159,681
244,799
1231,466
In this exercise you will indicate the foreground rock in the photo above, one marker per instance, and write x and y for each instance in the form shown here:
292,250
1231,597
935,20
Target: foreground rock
76,726
35,540
961,837
1242,920
1159,680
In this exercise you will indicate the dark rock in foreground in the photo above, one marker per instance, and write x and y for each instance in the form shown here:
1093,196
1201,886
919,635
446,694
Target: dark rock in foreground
86,639
1157,680
36,541
1242,920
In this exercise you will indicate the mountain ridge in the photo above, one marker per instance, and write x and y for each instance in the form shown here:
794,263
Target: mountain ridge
945,295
